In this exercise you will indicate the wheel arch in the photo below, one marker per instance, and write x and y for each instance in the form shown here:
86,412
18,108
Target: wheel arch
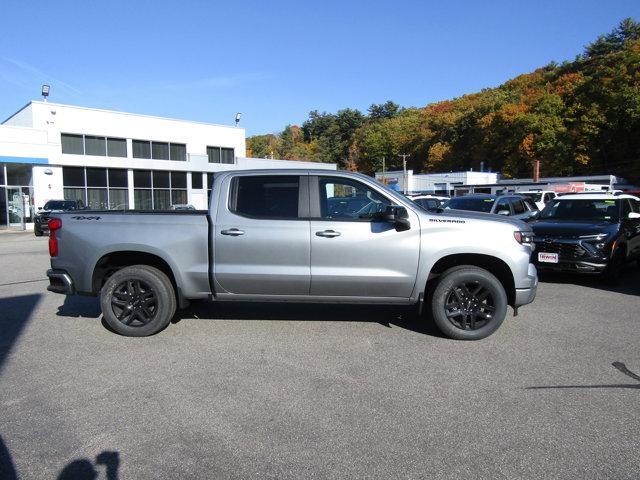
114,261
494,265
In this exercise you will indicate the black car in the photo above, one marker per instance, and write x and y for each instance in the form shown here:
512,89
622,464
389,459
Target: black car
588,233
41,219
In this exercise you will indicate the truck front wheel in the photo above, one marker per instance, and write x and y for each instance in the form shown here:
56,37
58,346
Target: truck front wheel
138,301
468,303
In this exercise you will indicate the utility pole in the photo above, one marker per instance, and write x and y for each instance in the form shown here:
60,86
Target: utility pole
404,169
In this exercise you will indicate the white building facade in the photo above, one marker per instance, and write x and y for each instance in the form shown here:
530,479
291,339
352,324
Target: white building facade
436,183
113,160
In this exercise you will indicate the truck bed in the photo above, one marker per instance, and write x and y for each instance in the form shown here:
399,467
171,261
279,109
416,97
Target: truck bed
180,238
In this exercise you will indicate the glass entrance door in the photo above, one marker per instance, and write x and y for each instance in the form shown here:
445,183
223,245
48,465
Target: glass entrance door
16,207
3,206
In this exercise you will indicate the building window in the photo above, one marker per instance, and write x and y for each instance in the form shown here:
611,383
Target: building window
159,150
221,155
159,190
196,180
93,145
98,188
141,148
73,144
178,151
116,147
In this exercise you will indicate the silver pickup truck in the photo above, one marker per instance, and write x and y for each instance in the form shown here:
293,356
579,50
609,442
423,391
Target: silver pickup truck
296,236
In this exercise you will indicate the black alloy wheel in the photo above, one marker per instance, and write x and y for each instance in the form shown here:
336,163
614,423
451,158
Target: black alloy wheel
468,303
469,306
134,303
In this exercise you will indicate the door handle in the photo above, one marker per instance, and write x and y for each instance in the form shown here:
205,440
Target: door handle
328,234
234,232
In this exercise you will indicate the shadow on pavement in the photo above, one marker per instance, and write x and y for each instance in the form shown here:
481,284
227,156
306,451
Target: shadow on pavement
85,469
79,306
16,313
629,283
7,468
398,315
621,367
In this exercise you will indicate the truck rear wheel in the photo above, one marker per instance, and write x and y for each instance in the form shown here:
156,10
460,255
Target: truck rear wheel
468,303
138,301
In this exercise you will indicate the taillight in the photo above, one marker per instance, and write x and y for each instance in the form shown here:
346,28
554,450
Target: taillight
54,224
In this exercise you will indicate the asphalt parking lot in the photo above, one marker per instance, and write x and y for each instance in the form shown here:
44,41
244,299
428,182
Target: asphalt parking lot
294,391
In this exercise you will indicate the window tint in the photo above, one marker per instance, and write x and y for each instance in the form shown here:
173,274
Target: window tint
503,206
96,177
470,203
178,151
635,206
116,147
95,146
626,208
196,180
141,148
267,196
160,179
142,179
159,151
214,154
348,199
73,144
519,206
227,155
118,178
73,176
178,180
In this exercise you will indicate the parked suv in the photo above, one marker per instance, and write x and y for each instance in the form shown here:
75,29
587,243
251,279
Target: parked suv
41,219
510,205
539,197
588,233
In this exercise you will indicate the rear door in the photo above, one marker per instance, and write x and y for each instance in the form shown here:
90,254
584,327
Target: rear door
261,236
352,254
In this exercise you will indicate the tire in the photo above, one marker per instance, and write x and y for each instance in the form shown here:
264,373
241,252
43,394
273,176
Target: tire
138,301
611,274
468,303
37,232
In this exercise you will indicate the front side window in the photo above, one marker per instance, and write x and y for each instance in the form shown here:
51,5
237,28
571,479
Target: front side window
266,197
345,199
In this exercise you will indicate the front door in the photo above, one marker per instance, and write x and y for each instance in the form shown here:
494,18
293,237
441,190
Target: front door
352,254
261,236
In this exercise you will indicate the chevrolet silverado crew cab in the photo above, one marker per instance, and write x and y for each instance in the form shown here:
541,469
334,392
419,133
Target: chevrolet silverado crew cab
295,236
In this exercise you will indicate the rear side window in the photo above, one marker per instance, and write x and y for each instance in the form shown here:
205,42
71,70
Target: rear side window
266,197
519,206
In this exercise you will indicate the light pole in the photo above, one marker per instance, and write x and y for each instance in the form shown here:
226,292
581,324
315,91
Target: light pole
404,169
45,91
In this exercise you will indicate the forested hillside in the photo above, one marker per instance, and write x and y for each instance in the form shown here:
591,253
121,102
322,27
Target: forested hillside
578,117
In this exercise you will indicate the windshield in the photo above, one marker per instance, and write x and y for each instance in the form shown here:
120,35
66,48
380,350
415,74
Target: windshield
473,204
536,197
590,210
60,205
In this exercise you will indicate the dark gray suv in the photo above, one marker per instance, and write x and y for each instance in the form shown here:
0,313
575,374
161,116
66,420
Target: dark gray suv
516,206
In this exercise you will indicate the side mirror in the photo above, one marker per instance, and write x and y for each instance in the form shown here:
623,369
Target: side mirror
503,212
398,216
633,216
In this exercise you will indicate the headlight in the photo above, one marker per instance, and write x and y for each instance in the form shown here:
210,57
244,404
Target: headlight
598,238
523,237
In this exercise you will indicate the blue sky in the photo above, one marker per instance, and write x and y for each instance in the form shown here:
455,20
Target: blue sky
277,60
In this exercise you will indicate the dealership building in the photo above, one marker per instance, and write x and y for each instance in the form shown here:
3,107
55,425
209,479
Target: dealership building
113,160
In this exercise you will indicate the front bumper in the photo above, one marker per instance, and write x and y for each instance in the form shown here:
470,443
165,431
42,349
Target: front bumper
60,282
